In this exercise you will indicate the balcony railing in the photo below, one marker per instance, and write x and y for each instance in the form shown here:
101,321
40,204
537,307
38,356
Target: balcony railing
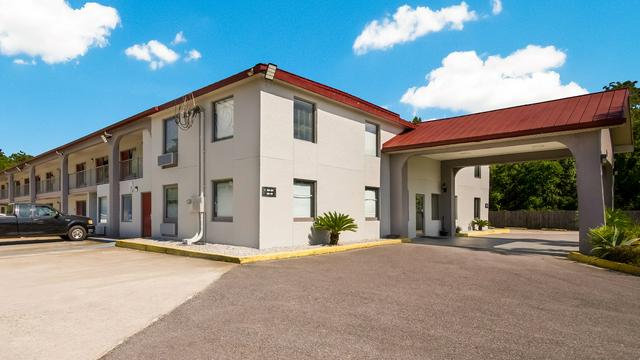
48,185
90,177
4,193
22,190
131,169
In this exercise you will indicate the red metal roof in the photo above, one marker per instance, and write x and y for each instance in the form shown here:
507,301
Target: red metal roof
602,109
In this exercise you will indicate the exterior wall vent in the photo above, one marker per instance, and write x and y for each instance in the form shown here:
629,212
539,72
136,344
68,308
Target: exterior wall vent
168,160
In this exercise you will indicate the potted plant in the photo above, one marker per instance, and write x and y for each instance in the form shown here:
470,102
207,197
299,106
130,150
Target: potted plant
335,223
479,223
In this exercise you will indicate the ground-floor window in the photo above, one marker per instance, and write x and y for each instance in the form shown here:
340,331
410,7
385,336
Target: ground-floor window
103,207
371,203
304,206
476,208
435,206
171,204
223,200
127,208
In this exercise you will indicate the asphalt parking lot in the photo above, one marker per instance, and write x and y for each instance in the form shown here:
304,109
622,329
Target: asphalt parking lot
77,300
409,301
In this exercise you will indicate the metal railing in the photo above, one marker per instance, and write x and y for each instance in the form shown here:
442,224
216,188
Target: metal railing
48,185
131,169
22,190
4,193
89,177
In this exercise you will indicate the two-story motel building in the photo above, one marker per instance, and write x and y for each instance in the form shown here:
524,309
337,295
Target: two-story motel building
279,149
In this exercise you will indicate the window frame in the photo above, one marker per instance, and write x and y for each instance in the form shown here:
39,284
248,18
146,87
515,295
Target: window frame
479,206
435,215
477,172
122,213
165,218
214,121
314,119
214,203
312,211
377,137
376,190
164,136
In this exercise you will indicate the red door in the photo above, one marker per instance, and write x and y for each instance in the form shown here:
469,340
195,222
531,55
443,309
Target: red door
146,214
81,208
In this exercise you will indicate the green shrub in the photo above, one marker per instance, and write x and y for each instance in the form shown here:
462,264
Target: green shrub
617,218
607,238
479,223
335,223
625,254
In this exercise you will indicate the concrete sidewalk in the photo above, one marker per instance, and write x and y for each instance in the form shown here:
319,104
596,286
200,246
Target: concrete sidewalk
77,300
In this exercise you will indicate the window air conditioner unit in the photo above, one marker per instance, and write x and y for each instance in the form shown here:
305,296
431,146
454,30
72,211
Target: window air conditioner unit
168,229
168,160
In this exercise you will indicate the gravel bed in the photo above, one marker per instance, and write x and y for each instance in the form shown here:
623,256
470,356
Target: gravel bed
232,250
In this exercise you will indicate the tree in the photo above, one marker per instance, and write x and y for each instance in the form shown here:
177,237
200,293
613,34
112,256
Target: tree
627,166
13,159
416,120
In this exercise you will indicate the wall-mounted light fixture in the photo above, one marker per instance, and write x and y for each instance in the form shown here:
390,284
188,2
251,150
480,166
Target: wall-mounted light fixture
105,137
271,71
59,153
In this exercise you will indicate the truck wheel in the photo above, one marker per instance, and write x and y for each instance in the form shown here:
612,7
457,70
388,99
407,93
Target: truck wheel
77,233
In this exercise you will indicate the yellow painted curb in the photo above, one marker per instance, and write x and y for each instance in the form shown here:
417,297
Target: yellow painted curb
174,250
484,232
607,264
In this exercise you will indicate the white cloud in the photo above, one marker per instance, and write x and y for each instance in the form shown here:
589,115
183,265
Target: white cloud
179,39
496,7
193,55
154,52
467,83
53,30
408,24
23,62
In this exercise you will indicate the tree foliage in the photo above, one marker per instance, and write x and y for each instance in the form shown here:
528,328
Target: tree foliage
416,120
551,185
7,161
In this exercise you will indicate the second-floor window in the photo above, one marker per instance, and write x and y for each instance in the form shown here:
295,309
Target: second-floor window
304,122
477,171
371,139
223,119
170,136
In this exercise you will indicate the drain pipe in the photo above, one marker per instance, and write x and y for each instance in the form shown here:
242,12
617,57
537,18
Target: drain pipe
201,180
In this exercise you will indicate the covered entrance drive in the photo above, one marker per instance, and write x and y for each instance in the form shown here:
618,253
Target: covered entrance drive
590,128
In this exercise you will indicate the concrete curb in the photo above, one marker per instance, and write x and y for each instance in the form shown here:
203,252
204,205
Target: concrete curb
484,232
606,264
174,250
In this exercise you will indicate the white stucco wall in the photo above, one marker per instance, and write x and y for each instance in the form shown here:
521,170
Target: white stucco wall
423,178
336,161
467,188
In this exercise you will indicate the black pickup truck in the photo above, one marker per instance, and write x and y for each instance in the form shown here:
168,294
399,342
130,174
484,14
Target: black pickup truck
26,220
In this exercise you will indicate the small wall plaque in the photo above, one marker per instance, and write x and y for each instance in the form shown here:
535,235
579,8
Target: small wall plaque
268,191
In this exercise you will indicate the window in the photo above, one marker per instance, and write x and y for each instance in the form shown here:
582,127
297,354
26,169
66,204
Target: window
127,210
223,200
371,139
371,203
304,206
170,136
23,211
477,171
476,208
223,119
304,120
103,207
44,211
171,204
435,206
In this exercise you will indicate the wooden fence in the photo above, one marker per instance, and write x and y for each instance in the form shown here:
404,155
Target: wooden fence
539,219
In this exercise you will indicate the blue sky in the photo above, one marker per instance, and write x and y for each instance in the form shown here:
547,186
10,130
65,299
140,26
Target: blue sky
46,104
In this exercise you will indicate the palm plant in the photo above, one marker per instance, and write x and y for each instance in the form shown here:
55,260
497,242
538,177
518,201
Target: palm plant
335,223
608,238
617,218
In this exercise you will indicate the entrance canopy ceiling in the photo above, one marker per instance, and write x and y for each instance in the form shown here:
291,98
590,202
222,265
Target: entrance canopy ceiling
607,109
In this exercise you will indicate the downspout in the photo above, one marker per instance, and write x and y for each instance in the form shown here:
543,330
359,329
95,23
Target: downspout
201,180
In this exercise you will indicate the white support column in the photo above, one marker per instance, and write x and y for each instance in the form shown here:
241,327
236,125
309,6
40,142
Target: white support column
114,188
64,183
447,198
399,169
32,183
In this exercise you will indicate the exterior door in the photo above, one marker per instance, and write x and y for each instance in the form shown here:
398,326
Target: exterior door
81,208
146,214
419,214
